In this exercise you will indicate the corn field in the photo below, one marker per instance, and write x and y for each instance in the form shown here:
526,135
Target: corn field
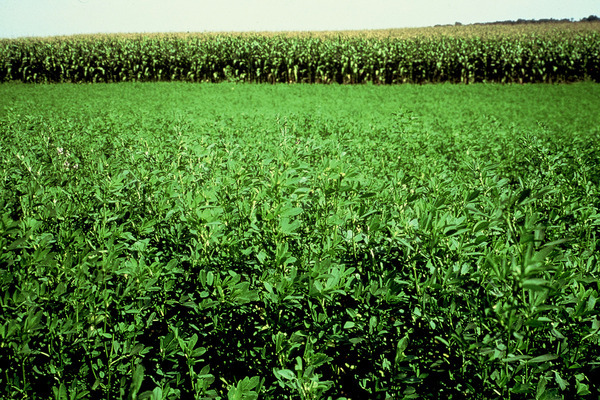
514,57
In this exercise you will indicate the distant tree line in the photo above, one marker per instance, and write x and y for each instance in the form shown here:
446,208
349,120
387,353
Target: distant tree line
520,21
591,18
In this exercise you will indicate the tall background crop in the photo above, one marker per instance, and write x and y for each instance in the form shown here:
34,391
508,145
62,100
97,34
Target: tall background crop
506,54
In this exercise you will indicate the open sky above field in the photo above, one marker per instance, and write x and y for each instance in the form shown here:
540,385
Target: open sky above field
64,17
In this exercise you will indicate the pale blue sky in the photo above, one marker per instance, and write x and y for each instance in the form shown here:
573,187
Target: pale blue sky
64,17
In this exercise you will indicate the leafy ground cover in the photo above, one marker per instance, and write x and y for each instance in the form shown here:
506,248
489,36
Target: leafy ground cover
172,240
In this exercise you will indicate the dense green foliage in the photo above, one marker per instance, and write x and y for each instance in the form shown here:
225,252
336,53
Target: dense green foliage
555,56
299,241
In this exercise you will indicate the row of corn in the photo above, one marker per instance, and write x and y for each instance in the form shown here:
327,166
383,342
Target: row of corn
351,60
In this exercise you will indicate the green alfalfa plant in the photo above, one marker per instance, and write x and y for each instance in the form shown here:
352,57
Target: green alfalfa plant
304,379
246,389
523,285
117,233
199,381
